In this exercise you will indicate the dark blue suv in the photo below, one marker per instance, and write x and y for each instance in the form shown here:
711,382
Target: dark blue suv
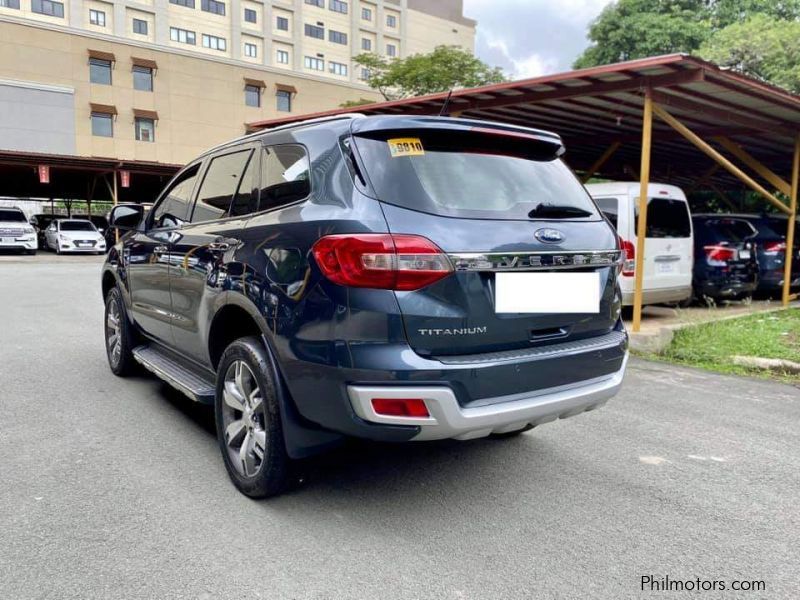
390,278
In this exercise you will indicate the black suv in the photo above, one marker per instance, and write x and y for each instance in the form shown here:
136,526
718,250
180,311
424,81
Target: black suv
390,278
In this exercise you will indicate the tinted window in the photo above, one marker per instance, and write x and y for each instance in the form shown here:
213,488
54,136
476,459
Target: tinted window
610,208
245,201
11,215
174,205
728,230
76,226
219,185
468,175
284,176
665,218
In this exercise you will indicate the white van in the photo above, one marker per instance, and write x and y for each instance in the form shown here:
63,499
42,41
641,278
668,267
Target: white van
669,243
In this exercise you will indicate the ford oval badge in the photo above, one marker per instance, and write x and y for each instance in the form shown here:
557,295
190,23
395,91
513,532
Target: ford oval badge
549,236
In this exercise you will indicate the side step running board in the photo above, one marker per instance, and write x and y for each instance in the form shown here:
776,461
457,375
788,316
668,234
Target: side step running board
169,368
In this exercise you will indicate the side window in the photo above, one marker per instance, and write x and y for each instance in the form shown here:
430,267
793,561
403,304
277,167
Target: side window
173,209
220,183
285,175
610,208
245,201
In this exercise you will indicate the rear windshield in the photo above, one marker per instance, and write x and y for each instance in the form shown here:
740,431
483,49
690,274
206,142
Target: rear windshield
76,226
12,215
666,218
469,175
728,230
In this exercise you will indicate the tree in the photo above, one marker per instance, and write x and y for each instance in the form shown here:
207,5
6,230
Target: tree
445,68
629,29
762,46
354,103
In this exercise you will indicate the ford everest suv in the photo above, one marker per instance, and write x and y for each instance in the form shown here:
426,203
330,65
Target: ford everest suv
391,278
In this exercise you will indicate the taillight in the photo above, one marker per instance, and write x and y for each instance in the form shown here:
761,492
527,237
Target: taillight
774,248
400,407
381,260
718,256
628,258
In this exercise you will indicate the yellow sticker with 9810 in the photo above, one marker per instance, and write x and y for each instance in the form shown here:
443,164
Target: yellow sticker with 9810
405,147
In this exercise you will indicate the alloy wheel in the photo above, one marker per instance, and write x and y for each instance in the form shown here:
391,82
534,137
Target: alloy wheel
113,332
244,419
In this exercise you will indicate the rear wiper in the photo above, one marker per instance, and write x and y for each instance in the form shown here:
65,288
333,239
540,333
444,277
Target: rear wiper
557,211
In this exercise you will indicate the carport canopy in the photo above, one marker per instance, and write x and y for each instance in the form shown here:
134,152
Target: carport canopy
674,119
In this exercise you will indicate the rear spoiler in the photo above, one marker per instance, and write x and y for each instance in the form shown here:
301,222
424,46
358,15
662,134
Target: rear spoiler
401,123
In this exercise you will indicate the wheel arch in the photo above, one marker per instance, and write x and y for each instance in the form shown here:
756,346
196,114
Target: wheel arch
234,319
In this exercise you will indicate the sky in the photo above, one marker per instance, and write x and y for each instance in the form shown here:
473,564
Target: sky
531,37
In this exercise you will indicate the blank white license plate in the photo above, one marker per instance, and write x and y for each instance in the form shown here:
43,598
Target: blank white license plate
744,254
85,245
6,240
547,293
667,267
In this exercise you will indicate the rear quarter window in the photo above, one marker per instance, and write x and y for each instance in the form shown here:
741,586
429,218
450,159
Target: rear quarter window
610,208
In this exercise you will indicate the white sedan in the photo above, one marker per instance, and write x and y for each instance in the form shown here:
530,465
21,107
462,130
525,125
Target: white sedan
74,235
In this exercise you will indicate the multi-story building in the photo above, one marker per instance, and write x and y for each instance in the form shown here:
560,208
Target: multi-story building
162,80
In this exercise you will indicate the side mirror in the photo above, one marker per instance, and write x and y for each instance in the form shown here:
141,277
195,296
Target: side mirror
126,217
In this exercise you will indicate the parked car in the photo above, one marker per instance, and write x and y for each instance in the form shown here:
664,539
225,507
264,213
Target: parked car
669,246
111,233
74,236
390,278
40,223
99,221
726,266
770,242
15,231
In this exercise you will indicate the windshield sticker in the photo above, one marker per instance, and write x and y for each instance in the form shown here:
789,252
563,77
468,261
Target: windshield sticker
405,147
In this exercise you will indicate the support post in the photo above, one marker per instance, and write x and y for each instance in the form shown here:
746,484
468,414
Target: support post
787,268
114,193
644,183
601,161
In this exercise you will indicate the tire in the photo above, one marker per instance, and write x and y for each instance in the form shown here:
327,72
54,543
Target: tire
248,420
510,434
117,328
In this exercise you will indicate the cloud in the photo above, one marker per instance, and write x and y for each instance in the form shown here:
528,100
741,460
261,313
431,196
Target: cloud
528,38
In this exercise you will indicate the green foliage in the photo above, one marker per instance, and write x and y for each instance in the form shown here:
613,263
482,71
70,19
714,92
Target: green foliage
353,103
762,47
445,68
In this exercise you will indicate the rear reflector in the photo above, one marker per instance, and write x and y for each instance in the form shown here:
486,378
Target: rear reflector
718,256
400,407
381,260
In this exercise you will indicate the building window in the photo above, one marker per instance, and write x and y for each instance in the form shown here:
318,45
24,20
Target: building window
391,21
186,3
100,71
214,43
9,4
145,129
212,6
97,17
366,14
315,32
338,6
337,37
365,74
140,26
252,95
315,64
102,124
391,50
337,68
250,50
320,3
184,36
283,100
282,57
366,44
48,7
282,23
250,16
142,78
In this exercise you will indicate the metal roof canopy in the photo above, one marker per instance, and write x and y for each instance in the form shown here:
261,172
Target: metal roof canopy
594,108
605,115
80,178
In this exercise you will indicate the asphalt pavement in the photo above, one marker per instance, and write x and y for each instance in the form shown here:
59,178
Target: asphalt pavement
114,488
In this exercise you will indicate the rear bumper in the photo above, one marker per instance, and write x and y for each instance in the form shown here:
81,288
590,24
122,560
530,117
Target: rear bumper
773,280
498,415
659,295
727,289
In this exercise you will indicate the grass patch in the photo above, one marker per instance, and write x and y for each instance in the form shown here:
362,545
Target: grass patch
712,345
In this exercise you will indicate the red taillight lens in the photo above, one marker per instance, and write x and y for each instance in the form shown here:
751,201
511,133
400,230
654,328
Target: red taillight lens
718,256
400,407
628,258
774,248
381,260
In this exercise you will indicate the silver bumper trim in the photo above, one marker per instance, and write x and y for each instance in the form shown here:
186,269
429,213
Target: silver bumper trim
449,420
